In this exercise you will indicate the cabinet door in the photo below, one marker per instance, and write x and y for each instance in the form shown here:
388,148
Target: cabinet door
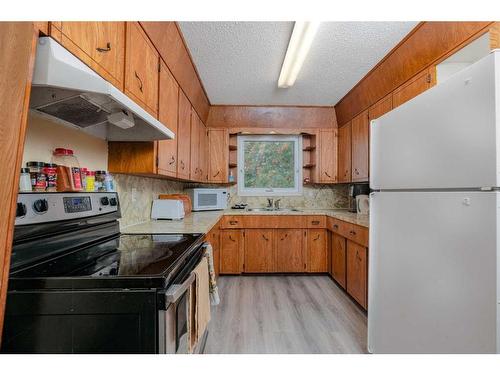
357,272
344,153
289,251
231,251
360,147
380,108
218,155
317,256
339,259
141,68
414,86
259,250
203,152
184,137
168,110
328,155
101,45
195,147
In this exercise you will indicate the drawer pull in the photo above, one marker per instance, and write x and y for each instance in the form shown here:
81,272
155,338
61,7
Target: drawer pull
182,164
286,235
107,49
264,237
327,175
317,238
233,222
140,81
231,238
172,161
215,175
352,233
315,222
335,226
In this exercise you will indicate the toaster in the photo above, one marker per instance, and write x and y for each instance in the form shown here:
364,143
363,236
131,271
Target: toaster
169,209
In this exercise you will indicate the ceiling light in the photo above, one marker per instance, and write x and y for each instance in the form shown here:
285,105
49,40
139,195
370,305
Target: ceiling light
298,48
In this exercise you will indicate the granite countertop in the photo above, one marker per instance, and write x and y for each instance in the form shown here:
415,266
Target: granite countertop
204,221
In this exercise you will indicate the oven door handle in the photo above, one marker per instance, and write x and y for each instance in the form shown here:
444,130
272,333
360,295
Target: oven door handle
174,292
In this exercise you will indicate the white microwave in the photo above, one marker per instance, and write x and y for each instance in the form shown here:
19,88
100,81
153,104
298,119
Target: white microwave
208,199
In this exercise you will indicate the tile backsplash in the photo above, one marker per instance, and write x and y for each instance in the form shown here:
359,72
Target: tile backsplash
136,195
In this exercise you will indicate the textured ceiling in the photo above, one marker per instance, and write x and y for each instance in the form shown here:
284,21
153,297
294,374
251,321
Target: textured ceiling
239,62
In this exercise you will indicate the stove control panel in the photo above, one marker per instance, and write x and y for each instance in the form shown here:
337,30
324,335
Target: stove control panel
36,208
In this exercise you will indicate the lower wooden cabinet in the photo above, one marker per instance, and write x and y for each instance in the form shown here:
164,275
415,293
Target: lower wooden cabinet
259,250
357,272
339,250
317,250
290,250
231,251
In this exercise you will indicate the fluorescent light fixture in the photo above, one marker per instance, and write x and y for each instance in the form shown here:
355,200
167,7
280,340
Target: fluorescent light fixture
302,37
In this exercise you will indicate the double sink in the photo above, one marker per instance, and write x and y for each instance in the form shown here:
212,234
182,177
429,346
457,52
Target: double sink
272,209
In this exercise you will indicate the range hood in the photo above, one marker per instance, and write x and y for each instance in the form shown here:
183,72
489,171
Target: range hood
66,90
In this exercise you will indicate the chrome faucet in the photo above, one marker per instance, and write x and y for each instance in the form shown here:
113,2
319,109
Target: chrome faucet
270,202
277,204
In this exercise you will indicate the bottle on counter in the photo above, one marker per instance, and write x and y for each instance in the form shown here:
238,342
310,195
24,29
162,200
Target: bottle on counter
25,180
90,181
50,171
100,180
109,182
83,176
68,170
38,178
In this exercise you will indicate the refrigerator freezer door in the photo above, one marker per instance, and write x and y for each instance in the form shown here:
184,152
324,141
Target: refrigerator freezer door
447,137
433,272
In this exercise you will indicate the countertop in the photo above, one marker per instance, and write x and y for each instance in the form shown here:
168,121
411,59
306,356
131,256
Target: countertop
204,221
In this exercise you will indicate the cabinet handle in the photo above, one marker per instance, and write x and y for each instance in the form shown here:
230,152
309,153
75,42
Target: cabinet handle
286,235
264,237
233,222
315,222
352,233
356,171
140,81
327,175
172,161
231,238
335,226
215,175
107,49
182,164
317,238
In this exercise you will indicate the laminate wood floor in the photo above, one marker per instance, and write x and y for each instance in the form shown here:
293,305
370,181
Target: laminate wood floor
284,314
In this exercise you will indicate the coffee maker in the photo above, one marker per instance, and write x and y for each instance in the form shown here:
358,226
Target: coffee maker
354,191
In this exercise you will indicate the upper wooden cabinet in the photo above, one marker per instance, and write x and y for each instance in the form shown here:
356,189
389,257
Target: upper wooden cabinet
380,108
184,137
100,45
203,152
344,153
290,247
218,155
195,171
168,114
414,86
360,147
141,68
259,250
328,155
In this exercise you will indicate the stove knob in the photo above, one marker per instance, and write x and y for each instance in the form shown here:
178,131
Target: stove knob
21,210
41,206
113,202
104,201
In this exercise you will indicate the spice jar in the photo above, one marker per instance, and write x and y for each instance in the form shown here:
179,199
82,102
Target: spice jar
68,170
38,178
83,176
100,180
50,171
90,181
25,180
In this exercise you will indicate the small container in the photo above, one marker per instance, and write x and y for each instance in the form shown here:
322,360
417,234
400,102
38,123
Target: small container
108,182
68,170
231,177
25,180
100,180
38,178
83,177
90,181
50,171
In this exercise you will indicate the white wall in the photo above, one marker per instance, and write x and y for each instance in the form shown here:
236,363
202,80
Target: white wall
43,136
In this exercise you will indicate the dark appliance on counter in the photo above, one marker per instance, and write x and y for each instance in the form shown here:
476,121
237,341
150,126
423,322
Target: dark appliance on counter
354,191
79,286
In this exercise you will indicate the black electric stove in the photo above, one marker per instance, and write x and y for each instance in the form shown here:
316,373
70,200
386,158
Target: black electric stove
96,290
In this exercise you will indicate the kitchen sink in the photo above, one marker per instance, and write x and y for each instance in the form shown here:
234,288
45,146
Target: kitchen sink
266,209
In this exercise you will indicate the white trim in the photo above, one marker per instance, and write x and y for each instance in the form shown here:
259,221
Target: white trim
259,192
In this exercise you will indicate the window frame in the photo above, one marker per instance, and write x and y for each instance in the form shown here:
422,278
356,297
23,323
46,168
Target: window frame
266,192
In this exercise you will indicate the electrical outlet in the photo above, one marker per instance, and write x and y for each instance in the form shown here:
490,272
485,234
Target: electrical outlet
134,195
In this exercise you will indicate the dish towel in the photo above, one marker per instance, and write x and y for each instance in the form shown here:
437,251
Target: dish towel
202,300
214,291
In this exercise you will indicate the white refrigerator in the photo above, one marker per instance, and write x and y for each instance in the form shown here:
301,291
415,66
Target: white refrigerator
434,219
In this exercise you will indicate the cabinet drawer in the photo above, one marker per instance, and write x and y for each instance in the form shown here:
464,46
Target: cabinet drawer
357,234
316,221
228,222
262,221
338,226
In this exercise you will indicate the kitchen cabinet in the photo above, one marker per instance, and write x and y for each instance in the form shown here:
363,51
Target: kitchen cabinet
100,45
328,155
339,254
218,155
357,272
344,153
290,250
231,251
168,114
317,251
203,152
360,147
214,238
380,108
141,68
195,147
259,250
415,86
184,137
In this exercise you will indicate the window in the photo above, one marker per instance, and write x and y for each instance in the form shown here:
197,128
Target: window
269,165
